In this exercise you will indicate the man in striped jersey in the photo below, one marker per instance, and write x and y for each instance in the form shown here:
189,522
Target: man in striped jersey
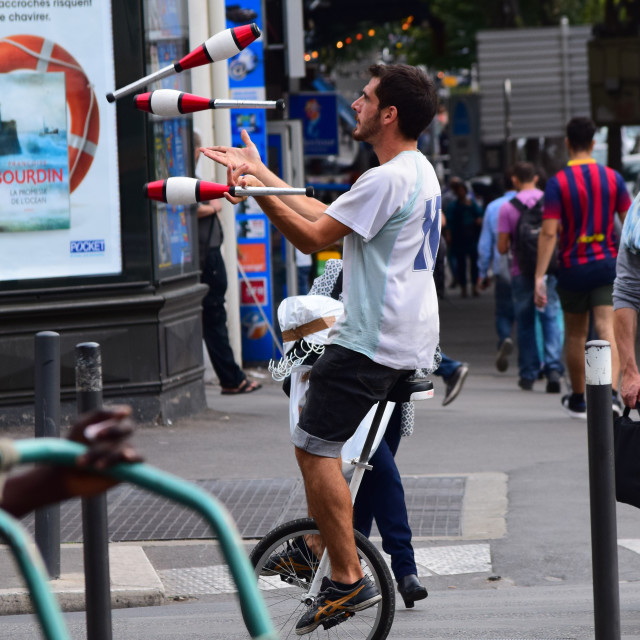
580,203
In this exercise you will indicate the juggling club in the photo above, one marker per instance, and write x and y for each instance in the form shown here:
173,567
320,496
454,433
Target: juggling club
184,191
170,102
220,46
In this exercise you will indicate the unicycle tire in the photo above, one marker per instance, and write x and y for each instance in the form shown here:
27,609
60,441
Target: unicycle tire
283,588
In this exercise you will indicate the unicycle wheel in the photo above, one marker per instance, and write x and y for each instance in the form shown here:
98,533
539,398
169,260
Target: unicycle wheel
285,568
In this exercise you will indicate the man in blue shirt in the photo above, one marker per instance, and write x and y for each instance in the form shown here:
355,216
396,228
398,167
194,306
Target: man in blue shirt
489,256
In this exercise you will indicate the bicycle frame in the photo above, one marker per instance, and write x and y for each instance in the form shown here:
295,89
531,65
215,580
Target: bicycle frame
65,452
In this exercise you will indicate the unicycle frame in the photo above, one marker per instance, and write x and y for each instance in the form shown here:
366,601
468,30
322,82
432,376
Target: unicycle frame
361,464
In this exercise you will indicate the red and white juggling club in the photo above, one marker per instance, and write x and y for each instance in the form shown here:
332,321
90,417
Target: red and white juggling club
221,46
171,103
183,191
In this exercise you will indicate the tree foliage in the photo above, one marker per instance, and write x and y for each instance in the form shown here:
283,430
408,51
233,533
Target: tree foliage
460,20
443,32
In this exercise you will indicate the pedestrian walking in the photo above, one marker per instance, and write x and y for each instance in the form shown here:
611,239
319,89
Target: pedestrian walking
464,220
580,203
519,222
490,258
626,304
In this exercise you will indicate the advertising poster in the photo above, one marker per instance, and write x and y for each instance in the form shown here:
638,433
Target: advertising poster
164,19
34,166
319,115
170,144
246,82
59,192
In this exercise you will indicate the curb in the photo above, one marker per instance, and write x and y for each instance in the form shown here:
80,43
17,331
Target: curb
134,583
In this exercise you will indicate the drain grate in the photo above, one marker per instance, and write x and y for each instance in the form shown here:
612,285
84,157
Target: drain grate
434,506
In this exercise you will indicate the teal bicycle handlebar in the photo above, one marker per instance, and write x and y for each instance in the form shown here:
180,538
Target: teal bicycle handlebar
65,452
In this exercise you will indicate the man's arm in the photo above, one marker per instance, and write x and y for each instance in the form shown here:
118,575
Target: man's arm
310,208
206,209
504,241
307,235
485,246
625,324
106,433
546,244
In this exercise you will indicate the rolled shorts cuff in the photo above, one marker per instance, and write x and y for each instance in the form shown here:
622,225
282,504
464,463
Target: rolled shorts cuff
314,445
625,300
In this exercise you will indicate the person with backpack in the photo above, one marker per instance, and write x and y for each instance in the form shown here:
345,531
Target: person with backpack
519,222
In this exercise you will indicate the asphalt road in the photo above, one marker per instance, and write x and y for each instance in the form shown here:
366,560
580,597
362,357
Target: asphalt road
539,582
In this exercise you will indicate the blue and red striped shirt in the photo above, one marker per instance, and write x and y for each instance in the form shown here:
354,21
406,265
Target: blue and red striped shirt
585,196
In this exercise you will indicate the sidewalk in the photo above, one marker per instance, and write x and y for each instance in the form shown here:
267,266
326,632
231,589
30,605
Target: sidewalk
497,491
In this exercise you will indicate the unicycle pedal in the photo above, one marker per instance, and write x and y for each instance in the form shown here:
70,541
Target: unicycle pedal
336,620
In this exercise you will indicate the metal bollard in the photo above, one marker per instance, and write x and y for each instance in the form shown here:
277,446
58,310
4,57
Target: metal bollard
94,510
604,549
47,425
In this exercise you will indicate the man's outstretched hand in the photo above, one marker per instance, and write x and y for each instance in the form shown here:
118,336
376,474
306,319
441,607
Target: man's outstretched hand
234,156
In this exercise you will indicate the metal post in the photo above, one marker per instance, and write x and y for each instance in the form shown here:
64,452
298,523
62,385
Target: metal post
47,425
222,135
94,510
565,59
604,550
507,123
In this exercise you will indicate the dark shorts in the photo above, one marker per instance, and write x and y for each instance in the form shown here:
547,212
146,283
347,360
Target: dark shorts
584,301
343,386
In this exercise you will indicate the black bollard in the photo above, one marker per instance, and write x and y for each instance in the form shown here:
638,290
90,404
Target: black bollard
47,425
95,533
604,535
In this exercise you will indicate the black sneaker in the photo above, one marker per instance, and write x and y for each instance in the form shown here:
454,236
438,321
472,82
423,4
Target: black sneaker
298,561
454,383
526,384
333,606
502,358
553,382
575,407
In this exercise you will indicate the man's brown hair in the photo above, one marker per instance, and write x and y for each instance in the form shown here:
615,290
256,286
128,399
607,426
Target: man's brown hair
411,92
524,171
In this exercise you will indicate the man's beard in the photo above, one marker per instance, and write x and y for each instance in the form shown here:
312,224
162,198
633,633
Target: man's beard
367,130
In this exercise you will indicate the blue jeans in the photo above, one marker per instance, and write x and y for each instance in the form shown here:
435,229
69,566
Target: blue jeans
525,311
505,315
381,496
447,367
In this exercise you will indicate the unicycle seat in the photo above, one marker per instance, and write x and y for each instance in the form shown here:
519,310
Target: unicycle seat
411,388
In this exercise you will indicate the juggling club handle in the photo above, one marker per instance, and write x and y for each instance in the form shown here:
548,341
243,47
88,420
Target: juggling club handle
271,191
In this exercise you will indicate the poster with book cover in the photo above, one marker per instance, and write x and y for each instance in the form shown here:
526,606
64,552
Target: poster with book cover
170,143
59,180
34,162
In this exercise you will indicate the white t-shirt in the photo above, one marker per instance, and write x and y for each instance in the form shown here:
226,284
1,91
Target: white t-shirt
391,307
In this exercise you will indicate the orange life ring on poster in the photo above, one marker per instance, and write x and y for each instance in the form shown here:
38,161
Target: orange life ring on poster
39,54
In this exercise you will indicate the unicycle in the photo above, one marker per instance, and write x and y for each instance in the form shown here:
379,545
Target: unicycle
289,573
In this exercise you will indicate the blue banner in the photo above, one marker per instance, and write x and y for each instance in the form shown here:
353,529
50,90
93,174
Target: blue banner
246,82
